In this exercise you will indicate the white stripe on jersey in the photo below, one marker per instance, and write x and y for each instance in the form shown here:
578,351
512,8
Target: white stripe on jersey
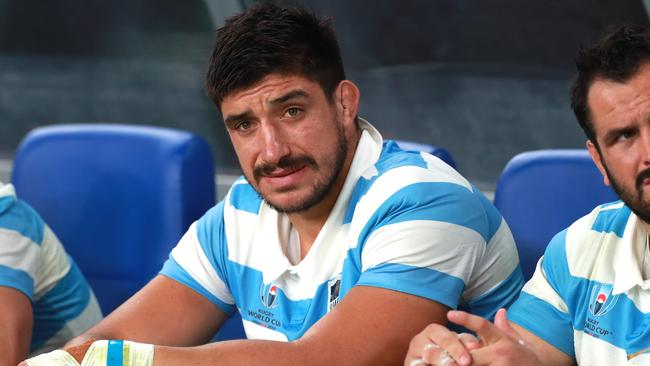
23,254
446,173
488,274
190,256
386,185
408,243
607,354
539,287
54,264
254,331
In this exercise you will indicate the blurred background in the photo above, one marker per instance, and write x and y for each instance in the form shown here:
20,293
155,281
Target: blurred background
484,79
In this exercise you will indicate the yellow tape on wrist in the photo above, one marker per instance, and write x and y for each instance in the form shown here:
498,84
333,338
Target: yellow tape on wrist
57,358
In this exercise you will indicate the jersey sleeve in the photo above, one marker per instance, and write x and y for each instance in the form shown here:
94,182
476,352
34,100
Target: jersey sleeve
21,236
541,308
424,240
198,260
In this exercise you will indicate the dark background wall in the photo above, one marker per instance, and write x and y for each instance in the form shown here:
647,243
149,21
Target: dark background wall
485,79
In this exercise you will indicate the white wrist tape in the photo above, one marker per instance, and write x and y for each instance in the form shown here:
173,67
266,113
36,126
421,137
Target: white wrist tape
118,353
54,358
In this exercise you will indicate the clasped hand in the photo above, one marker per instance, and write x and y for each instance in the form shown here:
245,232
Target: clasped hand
496,344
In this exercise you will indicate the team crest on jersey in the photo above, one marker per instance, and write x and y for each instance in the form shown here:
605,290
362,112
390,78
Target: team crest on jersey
601,300
333,290
269,295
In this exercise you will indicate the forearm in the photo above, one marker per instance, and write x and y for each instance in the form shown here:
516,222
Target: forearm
14,349
247,352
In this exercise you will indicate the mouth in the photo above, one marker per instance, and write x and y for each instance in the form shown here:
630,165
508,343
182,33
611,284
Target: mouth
284,178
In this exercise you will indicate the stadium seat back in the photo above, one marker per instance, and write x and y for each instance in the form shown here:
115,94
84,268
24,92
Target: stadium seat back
542,192
119,197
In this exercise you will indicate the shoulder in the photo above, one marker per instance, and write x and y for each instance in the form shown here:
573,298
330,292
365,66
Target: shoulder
575,250
18,217
410,185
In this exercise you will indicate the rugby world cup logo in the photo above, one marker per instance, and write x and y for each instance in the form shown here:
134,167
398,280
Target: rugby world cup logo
269,295
601,299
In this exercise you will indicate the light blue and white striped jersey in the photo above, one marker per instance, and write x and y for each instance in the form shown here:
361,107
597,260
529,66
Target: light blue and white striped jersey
404,221
33,261
588,297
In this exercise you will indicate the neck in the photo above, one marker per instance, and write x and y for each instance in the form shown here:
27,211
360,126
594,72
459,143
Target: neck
309,223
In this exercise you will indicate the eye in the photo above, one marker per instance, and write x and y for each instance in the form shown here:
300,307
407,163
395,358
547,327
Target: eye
293,112
243,126
625,135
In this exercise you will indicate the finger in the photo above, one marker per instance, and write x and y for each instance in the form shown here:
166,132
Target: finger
469,341
437,356
502,323
483,328
449,342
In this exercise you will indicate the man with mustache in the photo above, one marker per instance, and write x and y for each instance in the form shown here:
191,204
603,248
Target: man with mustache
589,299
336,247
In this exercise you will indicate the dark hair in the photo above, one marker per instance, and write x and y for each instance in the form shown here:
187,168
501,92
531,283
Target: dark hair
267,39
617,56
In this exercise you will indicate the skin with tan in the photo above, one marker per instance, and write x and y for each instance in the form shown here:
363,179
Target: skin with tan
281,118
16,320
620,113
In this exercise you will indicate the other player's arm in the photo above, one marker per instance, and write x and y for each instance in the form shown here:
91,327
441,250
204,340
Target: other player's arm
15,325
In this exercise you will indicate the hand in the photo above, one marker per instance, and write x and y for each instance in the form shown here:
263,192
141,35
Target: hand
437,345
501,344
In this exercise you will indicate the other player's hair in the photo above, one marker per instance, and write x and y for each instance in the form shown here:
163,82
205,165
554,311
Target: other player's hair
617,57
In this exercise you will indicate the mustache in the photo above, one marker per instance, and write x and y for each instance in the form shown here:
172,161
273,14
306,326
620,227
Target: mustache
284,163
641,177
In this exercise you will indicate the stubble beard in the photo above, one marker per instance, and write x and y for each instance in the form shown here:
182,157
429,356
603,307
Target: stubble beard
634,200
320,189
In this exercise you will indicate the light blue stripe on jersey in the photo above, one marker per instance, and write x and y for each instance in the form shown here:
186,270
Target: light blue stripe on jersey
502,296
434,201
556,268
560,336
20,217
15,278
613,221
172,270
576,293
424,282
67,300
391,157
114,353
244,197
493,215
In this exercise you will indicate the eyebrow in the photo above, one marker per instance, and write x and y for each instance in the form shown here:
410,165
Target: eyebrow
298,93
233,118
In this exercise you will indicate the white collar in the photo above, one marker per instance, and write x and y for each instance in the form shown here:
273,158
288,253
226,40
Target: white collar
7,190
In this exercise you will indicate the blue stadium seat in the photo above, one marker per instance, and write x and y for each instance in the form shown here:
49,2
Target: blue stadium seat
437,151
119,197
542,192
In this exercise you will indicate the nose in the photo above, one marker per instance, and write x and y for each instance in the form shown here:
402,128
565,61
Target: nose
274,143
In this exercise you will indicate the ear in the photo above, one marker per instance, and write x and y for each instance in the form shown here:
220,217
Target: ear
347,100
595,156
